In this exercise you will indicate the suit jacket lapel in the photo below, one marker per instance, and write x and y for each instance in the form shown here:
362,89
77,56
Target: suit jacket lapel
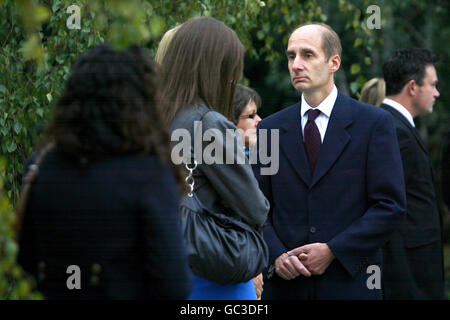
419,138
403,120
291,141
336,138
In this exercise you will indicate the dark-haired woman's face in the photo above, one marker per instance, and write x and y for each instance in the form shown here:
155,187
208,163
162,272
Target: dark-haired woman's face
248,121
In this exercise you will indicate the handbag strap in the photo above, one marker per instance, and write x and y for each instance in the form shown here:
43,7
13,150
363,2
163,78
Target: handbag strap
191,167
28,180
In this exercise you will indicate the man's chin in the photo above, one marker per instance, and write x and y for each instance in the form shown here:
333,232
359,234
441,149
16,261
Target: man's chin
426,112
300,86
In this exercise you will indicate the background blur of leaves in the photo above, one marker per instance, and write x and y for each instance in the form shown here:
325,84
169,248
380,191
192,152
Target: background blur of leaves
37,49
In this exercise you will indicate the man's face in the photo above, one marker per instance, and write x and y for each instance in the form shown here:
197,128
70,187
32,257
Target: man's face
427,92
308,66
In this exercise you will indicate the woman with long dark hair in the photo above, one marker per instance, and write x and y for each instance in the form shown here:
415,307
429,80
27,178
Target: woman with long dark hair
101,215
200,69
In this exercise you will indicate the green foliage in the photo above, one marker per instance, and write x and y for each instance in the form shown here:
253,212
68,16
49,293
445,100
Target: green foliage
14,284
38,48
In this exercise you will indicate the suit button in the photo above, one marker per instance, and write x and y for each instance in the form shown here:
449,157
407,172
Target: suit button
41,271
41,266
96,268
95,271
41,276
94,280
312,229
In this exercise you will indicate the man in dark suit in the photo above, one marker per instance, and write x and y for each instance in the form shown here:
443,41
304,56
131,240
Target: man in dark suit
445,170
413,264
339,188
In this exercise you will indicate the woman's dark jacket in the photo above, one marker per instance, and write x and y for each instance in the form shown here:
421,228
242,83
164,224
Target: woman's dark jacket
115,219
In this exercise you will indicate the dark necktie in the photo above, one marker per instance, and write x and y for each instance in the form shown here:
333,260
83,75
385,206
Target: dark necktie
312,139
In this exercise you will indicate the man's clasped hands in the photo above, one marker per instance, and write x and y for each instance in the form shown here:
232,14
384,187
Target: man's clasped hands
307,260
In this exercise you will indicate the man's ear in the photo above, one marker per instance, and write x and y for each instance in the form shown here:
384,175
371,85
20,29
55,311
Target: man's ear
335,63
411,88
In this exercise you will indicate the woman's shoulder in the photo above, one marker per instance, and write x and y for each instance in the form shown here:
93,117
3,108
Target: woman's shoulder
210,119
127,167
143,163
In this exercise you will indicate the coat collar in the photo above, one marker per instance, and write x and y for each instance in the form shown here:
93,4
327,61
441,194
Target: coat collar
406,123
336,138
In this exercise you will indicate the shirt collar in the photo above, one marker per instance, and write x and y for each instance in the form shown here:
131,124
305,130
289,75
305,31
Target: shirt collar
397,106
326,106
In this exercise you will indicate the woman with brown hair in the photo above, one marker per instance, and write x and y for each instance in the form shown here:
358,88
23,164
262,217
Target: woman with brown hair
101,215
200,70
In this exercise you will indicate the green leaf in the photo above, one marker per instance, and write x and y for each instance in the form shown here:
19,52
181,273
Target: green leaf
156,28
361,80
41,13
55,6
355,68
260,35
60,60
5,130
90,40
354,87
2,89
11,147
17,127
32,49
49,97
358,42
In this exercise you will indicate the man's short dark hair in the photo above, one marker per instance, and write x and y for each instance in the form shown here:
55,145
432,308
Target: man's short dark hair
406,65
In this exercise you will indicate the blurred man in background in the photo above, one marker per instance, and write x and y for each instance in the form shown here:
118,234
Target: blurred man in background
413,259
